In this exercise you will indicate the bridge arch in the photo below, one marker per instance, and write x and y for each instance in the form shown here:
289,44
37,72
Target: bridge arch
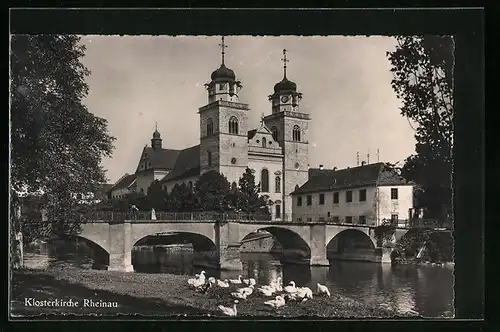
201,234
200,242
352,244
289,239
97,233
93,250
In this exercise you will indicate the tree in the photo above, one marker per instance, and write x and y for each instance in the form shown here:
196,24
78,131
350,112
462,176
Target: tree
212,192
157,196
56,144
247,196
423,80
181,199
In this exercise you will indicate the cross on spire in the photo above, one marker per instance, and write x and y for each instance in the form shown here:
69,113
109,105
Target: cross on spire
285,60
156,125
262,116
223,46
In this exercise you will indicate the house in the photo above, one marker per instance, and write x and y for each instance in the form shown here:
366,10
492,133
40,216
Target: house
367,194
124,186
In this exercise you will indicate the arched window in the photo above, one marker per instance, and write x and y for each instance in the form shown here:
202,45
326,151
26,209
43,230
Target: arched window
234,187
277,183
264,180
296,133
210,127
274,130
233,125
263,142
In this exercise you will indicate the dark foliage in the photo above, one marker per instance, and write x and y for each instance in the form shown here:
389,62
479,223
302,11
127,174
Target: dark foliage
56,143
423,80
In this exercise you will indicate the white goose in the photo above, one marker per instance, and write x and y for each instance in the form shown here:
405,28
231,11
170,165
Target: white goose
266,291
304,293
200,276
211,280
279,301
290,288
322,289
246,290
238,295
229,311
223,284
196,282
236,281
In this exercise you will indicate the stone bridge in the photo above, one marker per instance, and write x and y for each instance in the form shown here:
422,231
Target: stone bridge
223,239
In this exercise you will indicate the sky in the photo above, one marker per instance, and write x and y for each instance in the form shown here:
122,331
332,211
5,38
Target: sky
137,81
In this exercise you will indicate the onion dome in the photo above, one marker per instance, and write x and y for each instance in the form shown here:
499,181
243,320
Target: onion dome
223,74
285,85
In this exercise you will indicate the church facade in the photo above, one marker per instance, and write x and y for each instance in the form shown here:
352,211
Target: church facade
277,151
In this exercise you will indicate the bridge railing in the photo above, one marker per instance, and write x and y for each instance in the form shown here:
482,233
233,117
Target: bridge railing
106,216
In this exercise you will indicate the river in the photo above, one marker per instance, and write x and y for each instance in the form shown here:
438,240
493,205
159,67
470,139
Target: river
426,290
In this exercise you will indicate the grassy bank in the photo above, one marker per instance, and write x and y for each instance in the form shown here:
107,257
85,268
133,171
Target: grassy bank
159,295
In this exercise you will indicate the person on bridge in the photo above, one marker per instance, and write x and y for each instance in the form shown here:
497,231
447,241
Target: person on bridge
134,211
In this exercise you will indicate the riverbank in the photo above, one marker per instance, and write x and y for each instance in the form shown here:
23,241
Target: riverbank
158,295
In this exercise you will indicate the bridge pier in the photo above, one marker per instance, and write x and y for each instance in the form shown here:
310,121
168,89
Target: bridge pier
120,249
318,246
227,240
386,255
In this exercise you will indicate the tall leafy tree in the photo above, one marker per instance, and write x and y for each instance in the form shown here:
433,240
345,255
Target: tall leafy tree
248,199
212,191
157,196
181,199
56,143
423,79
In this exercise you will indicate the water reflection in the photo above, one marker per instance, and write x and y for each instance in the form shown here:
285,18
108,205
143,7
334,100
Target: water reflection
425,290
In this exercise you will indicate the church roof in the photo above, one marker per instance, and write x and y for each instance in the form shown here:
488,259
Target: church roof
187,164
124,182
251,133
367,175
161,158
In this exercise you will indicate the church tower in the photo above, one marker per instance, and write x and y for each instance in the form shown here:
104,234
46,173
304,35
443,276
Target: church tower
224,125
290,129
156,140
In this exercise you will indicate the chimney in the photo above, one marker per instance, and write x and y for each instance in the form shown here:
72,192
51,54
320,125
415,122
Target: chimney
321,167
363,163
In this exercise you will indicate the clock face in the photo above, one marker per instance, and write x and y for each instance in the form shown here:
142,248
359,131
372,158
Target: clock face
285,99
296,165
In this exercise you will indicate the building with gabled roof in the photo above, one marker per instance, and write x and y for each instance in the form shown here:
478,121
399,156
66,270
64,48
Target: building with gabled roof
367,194
124,186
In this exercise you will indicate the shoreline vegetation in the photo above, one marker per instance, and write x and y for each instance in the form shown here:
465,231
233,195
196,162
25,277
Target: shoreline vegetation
159,295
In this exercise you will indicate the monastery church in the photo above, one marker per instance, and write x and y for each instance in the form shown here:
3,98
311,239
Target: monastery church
277,151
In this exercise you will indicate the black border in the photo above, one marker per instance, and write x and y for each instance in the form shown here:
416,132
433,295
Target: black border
467,27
